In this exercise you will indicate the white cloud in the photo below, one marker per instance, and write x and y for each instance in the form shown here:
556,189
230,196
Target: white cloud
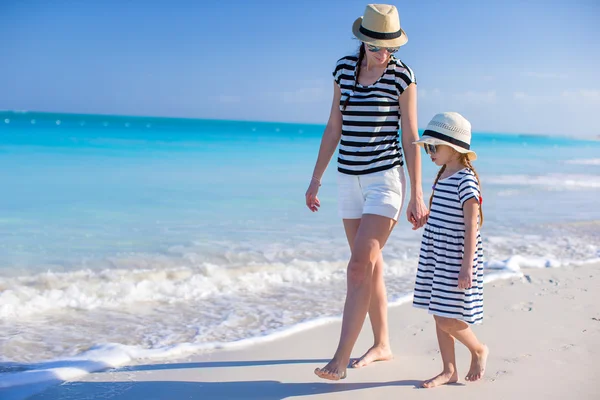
304,95
589,95
531,99
469,96
477,97
544,75
534,111
428,93
571,97
305,91
565,112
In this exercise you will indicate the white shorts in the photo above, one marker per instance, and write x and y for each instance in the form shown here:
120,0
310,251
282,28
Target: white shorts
380,193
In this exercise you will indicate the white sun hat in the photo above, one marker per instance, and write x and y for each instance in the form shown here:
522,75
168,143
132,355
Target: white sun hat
380,26
450,129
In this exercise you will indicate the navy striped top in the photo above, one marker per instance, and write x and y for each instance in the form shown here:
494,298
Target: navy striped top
371,120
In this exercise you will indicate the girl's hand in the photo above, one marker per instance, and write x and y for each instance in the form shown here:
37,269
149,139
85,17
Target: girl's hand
312,201
465,277
417,213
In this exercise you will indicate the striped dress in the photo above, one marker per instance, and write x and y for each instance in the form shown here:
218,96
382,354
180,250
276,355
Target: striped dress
442,248
371,120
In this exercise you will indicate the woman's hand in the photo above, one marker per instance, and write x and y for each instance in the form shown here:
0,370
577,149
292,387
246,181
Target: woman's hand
312,201
417,213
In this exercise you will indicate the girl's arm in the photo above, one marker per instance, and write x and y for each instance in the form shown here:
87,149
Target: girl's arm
329,142
416,212
471,212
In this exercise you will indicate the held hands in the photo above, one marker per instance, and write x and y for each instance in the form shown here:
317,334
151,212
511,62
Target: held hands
417,212
312,201
465,276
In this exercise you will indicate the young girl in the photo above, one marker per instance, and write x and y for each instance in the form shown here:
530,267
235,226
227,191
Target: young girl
450,275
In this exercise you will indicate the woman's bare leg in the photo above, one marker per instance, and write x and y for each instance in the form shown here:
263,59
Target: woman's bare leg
372,235
378,312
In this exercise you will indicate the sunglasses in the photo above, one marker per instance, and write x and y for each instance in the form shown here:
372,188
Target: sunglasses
376,49
430,148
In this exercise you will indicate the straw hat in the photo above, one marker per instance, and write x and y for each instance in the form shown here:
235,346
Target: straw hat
380,26
450,129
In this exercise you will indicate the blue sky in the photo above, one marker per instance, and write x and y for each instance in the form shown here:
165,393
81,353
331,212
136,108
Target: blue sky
507,66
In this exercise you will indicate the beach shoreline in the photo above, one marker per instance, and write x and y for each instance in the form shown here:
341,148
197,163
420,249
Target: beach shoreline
545,323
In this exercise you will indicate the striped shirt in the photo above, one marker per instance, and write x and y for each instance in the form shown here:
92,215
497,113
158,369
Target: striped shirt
371,120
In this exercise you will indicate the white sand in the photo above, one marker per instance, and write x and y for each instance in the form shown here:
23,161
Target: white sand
543,332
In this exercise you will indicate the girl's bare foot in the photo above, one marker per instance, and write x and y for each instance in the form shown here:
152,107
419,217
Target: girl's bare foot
375,353
478,361
332,371
442,379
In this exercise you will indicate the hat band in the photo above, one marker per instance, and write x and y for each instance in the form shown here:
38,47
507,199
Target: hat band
447,138
380,35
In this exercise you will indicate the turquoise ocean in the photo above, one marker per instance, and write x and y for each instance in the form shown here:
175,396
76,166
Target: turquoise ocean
129,238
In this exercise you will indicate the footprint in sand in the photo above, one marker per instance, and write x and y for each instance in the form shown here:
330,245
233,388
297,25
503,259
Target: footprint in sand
496,376
515,360
564,347
524,306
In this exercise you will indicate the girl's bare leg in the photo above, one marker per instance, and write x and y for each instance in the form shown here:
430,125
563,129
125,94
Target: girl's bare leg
464,334
449,373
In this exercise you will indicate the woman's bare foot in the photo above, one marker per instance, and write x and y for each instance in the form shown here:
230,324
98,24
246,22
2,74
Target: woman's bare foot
332,371
375,353
478,361
442,379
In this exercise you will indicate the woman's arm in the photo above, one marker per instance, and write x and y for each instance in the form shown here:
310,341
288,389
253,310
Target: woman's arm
416,212
329,142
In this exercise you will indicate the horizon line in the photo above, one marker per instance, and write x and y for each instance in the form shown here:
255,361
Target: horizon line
72,114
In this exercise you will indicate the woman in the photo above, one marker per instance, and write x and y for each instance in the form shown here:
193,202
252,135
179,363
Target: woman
371,91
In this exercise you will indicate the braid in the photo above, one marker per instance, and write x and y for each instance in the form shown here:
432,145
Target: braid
465,160
361,55
437,178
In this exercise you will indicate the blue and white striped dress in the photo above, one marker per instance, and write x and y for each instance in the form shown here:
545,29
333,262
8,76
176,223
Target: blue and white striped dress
442,249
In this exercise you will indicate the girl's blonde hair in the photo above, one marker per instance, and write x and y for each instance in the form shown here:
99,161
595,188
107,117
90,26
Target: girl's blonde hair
464,160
